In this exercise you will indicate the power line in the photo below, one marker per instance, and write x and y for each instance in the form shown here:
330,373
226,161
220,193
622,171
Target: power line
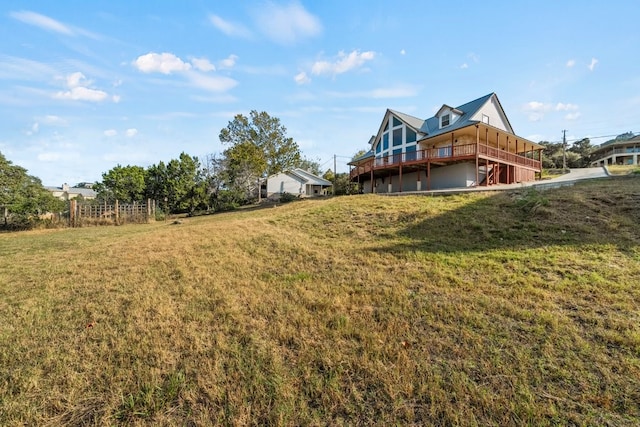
593,137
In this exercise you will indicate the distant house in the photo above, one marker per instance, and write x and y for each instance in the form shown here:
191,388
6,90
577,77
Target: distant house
466,146
67,193
624,150
297,182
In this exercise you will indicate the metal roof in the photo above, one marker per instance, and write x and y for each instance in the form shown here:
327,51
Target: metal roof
307,177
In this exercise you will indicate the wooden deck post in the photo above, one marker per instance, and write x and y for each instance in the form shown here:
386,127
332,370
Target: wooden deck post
372,183
428,175
400,177
477,155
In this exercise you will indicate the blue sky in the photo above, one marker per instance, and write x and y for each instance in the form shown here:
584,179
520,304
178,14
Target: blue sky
87,85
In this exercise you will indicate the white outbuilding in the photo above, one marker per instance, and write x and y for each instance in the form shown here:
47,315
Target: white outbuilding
296,182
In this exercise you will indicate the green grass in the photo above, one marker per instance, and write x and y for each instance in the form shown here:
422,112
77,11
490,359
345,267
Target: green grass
623,169
517,308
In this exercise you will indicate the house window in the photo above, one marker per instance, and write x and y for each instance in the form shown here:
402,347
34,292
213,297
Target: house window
385,141
410,153
386,126
485,119
397,137
411,136
396,122
378,148
444,120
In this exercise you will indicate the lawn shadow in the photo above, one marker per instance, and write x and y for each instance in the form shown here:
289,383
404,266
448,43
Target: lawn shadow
604,214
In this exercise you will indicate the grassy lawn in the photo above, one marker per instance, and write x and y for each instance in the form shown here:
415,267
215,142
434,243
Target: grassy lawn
485,309
623,169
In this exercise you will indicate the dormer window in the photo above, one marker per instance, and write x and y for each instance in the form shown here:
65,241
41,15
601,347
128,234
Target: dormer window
444,120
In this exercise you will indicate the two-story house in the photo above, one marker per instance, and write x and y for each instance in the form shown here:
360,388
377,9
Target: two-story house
466,146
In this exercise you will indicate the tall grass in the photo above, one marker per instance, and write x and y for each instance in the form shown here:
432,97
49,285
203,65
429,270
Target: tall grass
482,309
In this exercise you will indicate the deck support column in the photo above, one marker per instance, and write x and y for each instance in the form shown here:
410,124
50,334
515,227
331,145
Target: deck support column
428,176
400,177
486,172
373,184
451,154
477,155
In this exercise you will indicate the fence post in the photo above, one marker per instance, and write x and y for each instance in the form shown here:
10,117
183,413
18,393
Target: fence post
116,208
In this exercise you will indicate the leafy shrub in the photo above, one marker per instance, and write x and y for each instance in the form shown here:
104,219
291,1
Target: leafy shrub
287,197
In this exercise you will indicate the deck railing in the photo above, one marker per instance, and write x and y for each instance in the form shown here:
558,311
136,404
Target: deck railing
447,153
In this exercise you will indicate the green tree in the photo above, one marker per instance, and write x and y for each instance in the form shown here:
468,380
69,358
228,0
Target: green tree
328,175
185,183
309,165
551,155
261,143
359,153
123,183
22,196
179,185
583,149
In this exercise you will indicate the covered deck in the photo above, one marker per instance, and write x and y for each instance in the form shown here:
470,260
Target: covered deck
500,157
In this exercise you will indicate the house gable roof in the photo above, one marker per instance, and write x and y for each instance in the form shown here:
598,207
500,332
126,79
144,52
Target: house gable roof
310,178
304,177
469,113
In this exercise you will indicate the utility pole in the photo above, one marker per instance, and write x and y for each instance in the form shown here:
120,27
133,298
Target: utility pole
335,177
564,150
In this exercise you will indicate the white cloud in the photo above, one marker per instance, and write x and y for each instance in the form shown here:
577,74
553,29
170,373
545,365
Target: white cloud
302,78
287,24
203,64
165,63
536,110
54,120
130,133
115,98
593,63
571,63
110,132
50,24
229,28
35,128
212,83
473,57
76,79
537,106
229,62
49,157
82,94
566,107
400,91
464,66
42,21
344,63
403,52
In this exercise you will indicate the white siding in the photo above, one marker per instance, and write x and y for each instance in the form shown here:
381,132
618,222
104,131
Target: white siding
282,182
493,110
454,176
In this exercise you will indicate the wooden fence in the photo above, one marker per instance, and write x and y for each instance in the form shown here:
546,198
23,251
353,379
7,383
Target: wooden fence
117,213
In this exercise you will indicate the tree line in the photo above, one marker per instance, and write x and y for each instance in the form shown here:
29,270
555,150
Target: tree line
257,146
22,197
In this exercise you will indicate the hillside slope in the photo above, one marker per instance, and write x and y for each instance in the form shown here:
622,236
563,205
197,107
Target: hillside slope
478,309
